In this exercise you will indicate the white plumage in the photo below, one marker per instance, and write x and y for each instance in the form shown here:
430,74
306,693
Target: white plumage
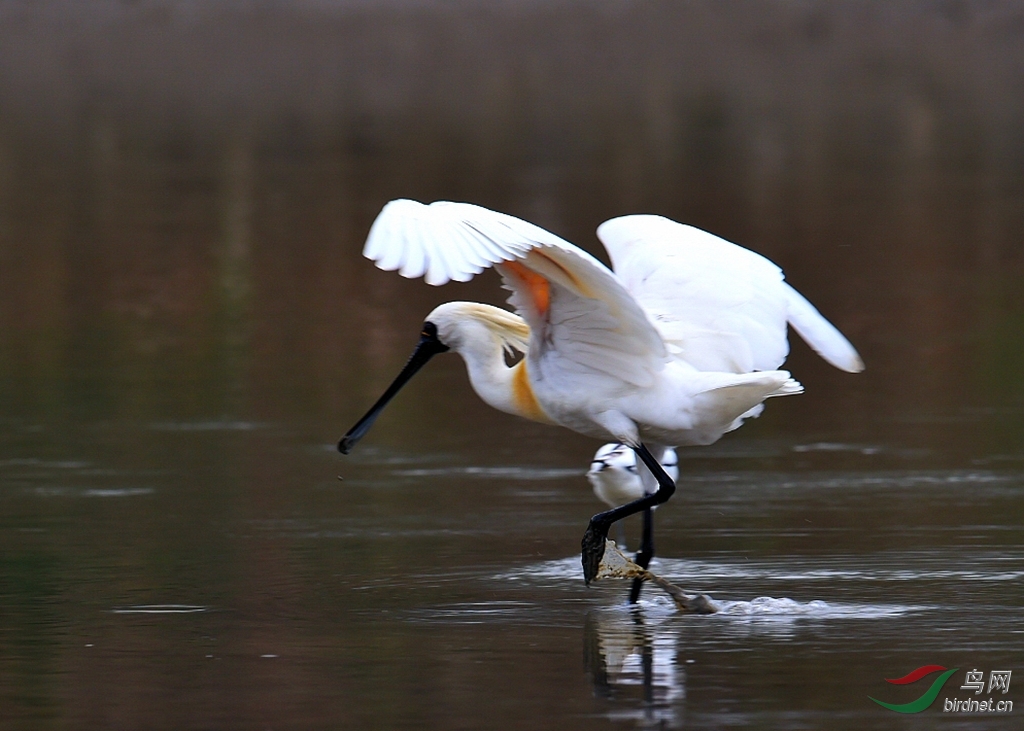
717,305
676,346
613,473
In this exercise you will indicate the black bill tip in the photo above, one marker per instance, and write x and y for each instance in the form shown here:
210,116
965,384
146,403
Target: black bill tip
427,348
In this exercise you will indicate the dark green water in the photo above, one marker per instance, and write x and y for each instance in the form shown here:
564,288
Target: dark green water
187,327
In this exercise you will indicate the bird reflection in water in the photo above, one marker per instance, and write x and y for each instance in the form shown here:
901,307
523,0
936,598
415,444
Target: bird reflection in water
631,657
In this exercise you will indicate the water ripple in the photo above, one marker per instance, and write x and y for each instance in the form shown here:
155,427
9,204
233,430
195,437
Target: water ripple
160,609
498,473
992,569
207,426
475,612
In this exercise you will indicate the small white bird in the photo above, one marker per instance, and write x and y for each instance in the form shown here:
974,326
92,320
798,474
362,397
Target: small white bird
613,473
675,347
614,477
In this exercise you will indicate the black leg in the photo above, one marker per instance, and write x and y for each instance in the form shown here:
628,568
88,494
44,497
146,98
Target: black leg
644,555
597,531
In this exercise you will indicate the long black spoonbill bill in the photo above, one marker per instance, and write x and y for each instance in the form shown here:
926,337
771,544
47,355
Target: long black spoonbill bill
675,347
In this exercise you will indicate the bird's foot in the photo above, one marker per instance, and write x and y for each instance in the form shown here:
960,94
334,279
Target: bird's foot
593,548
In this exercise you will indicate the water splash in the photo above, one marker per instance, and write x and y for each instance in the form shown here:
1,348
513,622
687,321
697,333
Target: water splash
783,607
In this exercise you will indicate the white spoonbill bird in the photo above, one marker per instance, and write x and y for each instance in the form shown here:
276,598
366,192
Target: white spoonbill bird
613,475
675,347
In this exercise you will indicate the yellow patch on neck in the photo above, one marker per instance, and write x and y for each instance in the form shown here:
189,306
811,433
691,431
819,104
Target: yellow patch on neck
523,398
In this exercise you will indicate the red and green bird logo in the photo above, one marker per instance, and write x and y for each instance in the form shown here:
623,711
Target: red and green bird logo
913,676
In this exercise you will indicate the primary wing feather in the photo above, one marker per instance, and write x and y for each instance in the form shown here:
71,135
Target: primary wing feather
586,321
718,306
449,241
821,334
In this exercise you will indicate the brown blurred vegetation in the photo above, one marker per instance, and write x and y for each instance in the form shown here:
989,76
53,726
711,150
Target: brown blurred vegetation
185,187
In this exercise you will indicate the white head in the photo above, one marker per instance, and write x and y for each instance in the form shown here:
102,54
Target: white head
461,325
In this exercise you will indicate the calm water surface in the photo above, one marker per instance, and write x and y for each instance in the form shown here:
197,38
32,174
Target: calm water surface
219,574
186,328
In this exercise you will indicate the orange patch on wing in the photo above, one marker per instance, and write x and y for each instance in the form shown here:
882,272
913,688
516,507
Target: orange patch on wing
522,395
568,274
536,286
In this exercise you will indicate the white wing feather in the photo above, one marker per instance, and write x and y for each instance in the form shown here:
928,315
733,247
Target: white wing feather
591,325
821,334
447,241
718,306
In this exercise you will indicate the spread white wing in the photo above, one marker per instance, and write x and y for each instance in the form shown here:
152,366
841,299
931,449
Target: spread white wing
582,320
718,306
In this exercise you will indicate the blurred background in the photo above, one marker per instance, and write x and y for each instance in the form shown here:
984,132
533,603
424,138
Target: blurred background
185,187
187,324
